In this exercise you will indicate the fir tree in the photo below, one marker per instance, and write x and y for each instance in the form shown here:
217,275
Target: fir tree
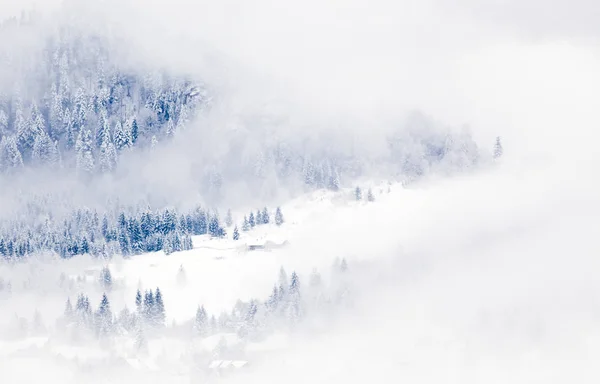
265,216
148,309
236,233
106,278
10,155
69,311
159,313
134,132
294,305
370,196
70,130
104,317
283,279
245,225
343,265
278,216
138,301
498,150
108,154
85,157
273,300
251,220
200,321
43,149
124,245
358,194
122,137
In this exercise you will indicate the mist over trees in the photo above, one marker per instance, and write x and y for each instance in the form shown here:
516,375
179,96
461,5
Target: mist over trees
292,300
75,108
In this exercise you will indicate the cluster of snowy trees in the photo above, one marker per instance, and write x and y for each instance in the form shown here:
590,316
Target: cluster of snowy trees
73,105
83,317
358,194
289,302
149,314
261,217
125,232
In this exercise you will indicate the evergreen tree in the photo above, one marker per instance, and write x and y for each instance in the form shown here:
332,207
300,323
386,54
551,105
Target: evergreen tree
498,150
245,225
294,305
201,321
170,129
283,279
134,132
122,137
251,220
334,180
236,233
358,194
370,196
159,315
148,309
278,216
138,301
69,311
250,316
103,128
214,228
273,300
43,149
106,278
10,156
259,218
136,239
343,265
104,228
104,317
124,245
70,130
108,154
27,131
84,157
265,216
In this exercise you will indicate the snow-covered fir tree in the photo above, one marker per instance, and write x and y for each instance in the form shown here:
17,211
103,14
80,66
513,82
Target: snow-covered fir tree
498,150
357,194
278,217
245,224
370,196
201,321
